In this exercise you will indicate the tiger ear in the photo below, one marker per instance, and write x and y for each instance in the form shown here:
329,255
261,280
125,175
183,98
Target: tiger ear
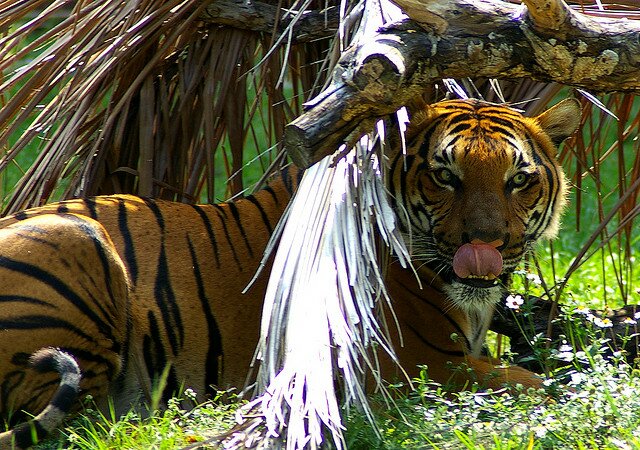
561,120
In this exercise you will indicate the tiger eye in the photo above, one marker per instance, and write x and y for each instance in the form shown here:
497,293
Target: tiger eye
444,176
519,179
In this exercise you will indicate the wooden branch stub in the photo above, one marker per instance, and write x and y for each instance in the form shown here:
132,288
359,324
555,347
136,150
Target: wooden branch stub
464,38
368,82
548,14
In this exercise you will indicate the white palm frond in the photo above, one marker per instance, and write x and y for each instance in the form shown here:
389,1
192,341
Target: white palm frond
319,317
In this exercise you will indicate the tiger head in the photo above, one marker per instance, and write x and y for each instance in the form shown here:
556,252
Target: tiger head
479,184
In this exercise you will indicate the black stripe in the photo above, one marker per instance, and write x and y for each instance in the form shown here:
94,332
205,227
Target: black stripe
507,132
62,208
21,229
263,214
455,325
214,340
156,360
90,204
153,206
458,128
222,216
57,285
129,248
236,216
153,350
272,193
210,233
166,300
425,136
24,299
457,353
99,244
42,322
287,180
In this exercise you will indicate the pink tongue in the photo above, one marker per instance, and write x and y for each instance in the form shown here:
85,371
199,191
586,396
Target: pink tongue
480,260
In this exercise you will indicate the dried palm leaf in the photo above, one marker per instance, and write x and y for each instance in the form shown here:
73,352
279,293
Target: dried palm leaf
142,97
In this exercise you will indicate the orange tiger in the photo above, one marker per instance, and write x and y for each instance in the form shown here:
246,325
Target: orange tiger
145,285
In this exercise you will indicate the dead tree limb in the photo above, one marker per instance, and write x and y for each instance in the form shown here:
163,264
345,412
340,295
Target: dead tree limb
259,16
544,40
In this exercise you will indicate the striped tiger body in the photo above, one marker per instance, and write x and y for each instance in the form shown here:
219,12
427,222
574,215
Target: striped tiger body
180,271
62,284
477,187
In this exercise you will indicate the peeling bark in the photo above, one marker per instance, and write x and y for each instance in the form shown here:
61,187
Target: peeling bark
544,40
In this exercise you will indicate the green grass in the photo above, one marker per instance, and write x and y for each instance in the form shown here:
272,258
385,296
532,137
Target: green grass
174,427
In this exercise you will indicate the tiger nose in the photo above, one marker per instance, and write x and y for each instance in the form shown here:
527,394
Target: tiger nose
484,218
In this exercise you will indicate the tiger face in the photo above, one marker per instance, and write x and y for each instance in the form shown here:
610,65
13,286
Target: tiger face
481,186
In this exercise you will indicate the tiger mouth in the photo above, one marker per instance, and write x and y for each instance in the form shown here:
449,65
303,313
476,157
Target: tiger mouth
476,281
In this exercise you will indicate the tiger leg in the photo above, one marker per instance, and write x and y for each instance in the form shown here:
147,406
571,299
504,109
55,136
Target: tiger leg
62,285
435,334
450,365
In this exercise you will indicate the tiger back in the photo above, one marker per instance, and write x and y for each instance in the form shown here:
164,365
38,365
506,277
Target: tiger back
477,187
188,265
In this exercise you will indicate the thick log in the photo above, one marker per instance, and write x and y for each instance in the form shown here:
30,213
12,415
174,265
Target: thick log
459,39
304,26
368,79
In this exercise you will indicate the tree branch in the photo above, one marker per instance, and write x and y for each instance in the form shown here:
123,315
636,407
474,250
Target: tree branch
304,26
459,39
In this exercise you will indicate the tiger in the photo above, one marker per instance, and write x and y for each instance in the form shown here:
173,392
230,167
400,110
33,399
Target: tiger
146,294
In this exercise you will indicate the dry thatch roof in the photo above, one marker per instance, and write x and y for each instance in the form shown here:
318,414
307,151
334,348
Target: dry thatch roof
137,96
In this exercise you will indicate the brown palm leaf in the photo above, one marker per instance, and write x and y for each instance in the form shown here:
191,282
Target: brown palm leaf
142,96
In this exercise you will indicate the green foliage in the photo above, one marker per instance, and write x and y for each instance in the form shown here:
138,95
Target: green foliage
593,406
176,427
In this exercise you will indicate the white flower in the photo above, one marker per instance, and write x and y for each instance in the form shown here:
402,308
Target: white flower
565,348
534,278
514,301
629,321
637,315
582,310
577,378
540,431
602,323
190,394
564,353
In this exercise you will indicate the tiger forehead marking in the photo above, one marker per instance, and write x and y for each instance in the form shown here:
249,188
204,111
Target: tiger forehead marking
481,185
464,136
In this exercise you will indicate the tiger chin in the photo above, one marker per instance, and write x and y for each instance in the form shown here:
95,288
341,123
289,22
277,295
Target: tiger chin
129,290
